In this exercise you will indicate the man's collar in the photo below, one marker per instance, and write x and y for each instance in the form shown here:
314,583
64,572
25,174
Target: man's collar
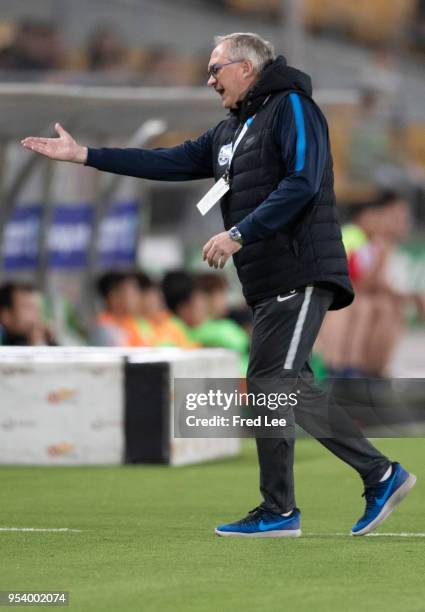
251,102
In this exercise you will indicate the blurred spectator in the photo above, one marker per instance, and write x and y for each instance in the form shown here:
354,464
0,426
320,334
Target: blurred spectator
154,316
106,51
361,340
21,318
185,302
119,323
219,330
36,46
375,155
214,287
151,301
370,142
166,67
417,27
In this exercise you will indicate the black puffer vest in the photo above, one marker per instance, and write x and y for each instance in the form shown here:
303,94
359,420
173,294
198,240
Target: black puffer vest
310,252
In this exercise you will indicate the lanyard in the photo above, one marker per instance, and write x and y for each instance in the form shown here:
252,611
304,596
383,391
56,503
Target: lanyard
241,135
222,186
239,139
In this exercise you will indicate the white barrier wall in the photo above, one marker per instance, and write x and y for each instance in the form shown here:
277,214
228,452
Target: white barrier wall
72,406
61,409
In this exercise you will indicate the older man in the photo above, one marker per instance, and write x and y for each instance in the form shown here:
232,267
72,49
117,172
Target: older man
272,163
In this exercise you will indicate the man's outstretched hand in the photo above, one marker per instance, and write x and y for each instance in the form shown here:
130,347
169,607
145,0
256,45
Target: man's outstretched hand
63,148
218,250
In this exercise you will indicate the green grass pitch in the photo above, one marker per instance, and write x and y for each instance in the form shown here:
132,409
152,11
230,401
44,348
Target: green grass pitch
146,540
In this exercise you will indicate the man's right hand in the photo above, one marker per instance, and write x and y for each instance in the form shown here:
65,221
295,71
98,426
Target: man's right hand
63,148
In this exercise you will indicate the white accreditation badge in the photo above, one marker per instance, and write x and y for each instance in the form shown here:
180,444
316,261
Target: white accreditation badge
222,186
213,196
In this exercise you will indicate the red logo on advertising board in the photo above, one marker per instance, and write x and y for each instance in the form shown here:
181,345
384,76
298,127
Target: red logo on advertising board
58,450
61,395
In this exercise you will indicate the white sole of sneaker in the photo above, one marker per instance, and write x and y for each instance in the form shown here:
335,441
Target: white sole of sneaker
293,533
389,506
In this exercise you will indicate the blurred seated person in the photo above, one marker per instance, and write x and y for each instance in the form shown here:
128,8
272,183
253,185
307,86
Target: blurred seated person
21,317
370,143
36,46
214,286
151,300
167,67
361,339
106,51
119,322
153,315
218,329
416,27
187,307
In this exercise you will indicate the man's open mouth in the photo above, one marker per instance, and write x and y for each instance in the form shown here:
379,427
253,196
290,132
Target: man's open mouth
220,90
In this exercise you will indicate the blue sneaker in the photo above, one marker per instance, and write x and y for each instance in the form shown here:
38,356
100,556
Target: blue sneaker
263,524
382,498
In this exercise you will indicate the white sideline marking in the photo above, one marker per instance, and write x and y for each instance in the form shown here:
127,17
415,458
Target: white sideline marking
38,529
402,534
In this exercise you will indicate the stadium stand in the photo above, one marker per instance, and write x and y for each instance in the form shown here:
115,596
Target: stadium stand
365,21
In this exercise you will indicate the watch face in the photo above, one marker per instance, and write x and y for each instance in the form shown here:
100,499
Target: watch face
236,235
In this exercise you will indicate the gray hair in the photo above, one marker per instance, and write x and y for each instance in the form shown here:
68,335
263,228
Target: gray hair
247,45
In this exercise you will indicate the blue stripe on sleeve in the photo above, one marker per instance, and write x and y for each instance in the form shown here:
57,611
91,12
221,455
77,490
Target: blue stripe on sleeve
299,122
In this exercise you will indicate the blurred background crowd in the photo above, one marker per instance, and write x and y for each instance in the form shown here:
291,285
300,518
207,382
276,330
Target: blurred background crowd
182,310
39,40
189,311
367,64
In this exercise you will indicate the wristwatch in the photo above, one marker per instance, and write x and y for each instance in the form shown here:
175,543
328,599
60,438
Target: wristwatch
235,235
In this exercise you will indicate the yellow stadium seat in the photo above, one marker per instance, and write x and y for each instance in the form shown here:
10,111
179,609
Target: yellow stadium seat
7,33
253,6
414,140
368,20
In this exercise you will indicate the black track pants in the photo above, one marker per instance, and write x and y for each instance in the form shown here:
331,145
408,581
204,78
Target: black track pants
285,329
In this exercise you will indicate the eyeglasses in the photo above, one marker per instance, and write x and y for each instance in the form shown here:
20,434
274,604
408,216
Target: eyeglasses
214,69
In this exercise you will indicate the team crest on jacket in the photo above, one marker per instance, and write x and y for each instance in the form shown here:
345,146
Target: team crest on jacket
224,154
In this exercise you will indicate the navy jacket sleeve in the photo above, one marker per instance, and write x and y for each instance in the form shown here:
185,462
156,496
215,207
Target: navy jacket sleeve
301,133
188,161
